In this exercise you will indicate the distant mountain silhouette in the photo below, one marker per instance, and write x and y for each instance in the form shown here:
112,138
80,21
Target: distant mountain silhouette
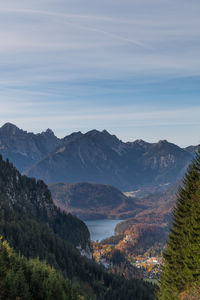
24,149
97,157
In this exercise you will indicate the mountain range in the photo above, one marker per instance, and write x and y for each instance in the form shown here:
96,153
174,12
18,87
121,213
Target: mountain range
96,156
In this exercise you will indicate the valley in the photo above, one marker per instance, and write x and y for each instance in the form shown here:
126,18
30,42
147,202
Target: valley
124,193
38,230
140,238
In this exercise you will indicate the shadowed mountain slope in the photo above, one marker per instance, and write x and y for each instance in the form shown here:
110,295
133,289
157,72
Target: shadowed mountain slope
99,157
24,149
95,156
93,201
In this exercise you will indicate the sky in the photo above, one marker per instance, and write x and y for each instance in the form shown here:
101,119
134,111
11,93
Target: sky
131,67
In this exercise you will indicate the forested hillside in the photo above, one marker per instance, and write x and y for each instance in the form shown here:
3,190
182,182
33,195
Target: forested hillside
93,201
181,275
31,279
33,226
25,198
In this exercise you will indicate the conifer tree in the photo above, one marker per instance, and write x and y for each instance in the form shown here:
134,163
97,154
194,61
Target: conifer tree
181,271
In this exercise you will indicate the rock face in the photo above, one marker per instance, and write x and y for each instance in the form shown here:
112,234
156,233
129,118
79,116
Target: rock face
96,157
23,148
99,157
192,149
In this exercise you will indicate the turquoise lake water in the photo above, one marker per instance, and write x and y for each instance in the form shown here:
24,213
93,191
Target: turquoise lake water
101,229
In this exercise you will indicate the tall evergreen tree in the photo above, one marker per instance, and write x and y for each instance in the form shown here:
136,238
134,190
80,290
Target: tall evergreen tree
181,272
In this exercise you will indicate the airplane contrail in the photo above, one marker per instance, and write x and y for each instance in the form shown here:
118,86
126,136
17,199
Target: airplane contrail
112,35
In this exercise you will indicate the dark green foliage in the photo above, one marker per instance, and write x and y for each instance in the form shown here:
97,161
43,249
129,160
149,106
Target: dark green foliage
129,290
23,195
34,227
182,258
31,279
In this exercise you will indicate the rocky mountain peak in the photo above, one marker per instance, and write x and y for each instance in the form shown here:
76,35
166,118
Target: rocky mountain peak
163,142
25,148
105,132
96,156
71,138
48,132
9,128
104,135
141,143
93,132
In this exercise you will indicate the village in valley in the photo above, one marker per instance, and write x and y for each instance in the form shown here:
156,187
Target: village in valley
150,265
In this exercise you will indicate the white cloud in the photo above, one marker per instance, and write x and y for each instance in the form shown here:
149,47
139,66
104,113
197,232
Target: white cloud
144,41
43,43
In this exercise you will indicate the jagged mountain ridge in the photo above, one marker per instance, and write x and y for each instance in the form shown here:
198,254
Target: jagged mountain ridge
24,149
95,156
99,157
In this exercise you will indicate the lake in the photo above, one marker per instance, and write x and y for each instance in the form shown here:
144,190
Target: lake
101,229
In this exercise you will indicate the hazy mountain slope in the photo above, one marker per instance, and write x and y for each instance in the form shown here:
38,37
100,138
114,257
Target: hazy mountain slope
192,149
93,201
99,157
92,157
25,149
166,161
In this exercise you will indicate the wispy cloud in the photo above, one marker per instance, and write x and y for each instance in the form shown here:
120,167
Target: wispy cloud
56,115
68,19
78,54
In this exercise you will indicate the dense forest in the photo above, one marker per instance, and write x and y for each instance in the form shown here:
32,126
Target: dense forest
31,279
181,275
35,228
25,197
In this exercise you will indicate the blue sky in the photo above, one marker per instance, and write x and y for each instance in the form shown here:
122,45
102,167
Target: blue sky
131,67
